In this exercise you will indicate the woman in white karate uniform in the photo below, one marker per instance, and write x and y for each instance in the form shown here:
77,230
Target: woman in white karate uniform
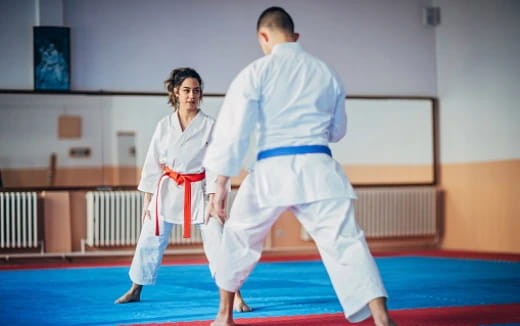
176,187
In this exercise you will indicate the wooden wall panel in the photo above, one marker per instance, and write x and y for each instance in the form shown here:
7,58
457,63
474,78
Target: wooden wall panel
482,207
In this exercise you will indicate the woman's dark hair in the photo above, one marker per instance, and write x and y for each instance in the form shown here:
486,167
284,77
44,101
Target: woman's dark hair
174,81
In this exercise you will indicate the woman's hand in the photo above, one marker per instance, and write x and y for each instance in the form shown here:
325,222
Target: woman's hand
146,203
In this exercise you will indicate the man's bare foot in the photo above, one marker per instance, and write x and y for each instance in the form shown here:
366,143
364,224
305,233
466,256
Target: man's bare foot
239,305
380,312
222,322
384,322
225,310
133,295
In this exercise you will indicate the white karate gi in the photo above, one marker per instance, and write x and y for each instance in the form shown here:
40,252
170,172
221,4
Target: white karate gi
293,99
182,152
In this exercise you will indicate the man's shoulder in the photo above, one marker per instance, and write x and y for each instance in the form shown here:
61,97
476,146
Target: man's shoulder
258,64
320,62
253,72
328,69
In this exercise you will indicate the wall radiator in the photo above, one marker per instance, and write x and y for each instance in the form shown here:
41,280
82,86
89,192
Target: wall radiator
114,219
18,220
396,212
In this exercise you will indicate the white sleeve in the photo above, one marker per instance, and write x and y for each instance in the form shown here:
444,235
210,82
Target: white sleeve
151,171
236,120
211,182
338,126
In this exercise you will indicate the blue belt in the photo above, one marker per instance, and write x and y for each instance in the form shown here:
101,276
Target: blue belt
293,150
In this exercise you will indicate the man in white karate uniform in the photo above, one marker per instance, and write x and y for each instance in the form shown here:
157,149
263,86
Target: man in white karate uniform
296,103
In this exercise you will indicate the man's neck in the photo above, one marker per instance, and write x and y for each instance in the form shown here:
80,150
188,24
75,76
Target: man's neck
277,37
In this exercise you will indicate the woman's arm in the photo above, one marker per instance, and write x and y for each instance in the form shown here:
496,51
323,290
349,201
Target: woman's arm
146,202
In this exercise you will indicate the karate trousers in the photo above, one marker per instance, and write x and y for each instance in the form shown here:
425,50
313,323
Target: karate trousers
150,248
331,223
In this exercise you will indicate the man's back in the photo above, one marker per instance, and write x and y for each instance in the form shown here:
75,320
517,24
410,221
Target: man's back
292,99
298,98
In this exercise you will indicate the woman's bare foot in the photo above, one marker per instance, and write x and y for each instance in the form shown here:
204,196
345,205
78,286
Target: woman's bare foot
239,305
133,295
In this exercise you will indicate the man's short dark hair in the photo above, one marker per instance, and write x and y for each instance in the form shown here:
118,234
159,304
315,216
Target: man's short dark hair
276,18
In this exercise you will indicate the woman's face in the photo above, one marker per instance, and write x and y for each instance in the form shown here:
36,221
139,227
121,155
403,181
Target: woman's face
188,94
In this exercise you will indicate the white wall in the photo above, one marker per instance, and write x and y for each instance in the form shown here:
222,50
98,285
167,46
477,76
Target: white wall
16,21
49,12
387,132
29,124
478,60
378,47
392,132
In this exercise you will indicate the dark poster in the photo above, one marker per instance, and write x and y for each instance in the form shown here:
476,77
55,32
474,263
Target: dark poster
51,58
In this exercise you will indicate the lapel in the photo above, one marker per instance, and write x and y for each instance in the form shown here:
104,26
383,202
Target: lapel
175,139
178,137
176,130
191,130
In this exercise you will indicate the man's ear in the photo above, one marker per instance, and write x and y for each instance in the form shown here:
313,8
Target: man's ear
263,37
296,36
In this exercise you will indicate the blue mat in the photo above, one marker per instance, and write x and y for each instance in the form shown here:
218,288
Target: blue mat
84,296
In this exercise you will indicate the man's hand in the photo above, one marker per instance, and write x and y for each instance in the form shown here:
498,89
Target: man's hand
217,202
211,210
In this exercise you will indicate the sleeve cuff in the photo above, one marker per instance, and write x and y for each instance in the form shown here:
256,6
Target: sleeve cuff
225,169
147,187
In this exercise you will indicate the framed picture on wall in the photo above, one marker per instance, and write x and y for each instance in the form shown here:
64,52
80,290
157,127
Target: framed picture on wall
51,58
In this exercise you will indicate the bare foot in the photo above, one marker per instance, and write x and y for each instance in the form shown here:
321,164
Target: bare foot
219,321
380,312
133,295
384,322
225,310
239,304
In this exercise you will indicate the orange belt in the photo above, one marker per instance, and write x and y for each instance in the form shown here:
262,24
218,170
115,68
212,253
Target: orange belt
187,179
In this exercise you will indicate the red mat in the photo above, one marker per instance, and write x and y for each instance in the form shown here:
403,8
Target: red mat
452,316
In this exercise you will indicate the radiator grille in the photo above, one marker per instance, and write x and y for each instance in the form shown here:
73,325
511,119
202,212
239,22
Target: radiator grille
396,212
18,220
114,219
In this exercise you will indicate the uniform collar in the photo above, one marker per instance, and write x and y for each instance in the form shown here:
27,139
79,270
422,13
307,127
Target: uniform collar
286,46
177,121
